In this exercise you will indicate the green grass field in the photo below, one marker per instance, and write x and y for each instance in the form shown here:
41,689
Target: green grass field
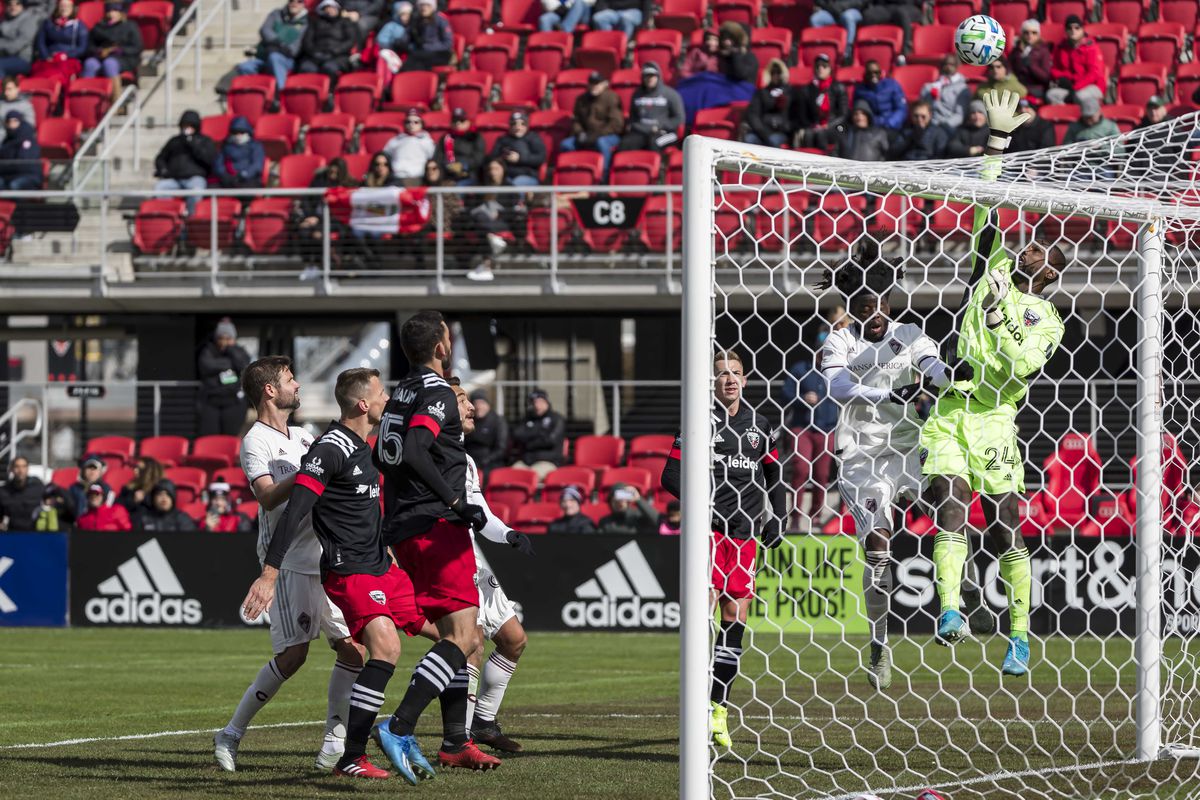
597,713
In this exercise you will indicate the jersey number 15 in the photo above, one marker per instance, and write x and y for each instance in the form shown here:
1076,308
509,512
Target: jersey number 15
391,444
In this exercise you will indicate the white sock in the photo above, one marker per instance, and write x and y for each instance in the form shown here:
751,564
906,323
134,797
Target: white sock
497,672
877,590
472,692
341,681
265,685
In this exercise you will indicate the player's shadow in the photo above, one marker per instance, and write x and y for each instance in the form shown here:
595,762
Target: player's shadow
602,747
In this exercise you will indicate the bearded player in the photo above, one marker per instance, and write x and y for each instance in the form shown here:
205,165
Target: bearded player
745,468
1007,334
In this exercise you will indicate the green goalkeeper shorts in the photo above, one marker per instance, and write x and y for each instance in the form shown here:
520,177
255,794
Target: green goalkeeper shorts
976,442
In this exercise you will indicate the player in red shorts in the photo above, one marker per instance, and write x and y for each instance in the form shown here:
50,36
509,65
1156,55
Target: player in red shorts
745,467
339,485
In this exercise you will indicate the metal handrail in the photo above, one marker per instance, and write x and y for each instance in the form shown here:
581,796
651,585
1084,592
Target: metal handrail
16,436
101,130
170,61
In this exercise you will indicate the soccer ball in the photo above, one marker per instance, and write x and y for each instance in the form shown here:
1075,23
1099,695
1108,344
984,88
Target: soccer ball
979,40
930,794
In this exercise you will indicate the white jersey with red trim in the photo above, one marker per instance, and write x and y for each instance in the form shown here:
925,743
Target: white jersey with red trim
269,452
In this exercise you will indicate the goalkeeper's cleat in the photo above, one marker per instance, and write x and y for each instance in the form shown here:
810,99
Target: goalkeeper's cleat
979,617
469,757
718,725
489,733
951,628
1016,659
330,753
879,672
404,753
225,746
360,768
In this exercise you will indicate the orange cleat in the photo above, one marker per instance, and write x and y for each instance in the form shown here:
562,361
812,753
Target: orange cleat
470,757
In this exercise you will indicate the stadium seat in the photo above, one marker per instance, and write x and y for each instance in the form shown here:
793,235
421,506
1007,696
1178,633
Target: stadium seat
88,100
278,134
468,18
637,477
357,94
880,43
1127,12
549,52
581,478
837,221
539,228
297,171
250,509
166,450
199,227
732,220
1159,42
1182,11
599,452
378,129
830,41
602,51
684,16
635,168
519,16
153,18
719,123
553,125
214,452
930,44
1187,81
535,517
157,226
491,125
580,168
1061,117
44,94
655,222
768,43
268,225
1072,477
674,167
239,487
329,134
1125,115
913,77
216,126
1139,81
304,95
7,230
189,483
495,53
651,445
660,47
600,239
64,477
437,123
249,96
511,485
777,227
412,90
1113,40
469,90
1009,13
90,14
523,89
118,476
1059,10
59,137
743,12
1108,516
595,511
625,82
952,12
119,447
567,87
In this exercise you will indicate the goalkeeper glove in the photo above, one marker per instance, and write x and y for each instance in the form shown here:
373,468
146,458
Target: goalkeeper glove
905,394
519,541
997,289
1002,116
962,371
772,533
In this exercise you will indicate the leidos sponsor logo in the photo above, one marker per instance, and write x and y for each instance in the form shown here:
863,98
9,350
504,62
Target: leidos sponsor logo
624,594
144,591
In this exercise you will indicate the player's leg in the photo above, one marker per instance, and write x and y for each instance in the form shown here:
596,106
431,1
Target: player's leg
869,490
367,696
1004,525
944,461
474,668
498,621
348,662
733,587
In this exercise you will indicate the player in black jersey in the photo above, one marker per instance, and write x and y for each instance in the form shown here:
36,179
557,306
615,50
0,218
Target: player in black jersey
745,469
427,521
339,485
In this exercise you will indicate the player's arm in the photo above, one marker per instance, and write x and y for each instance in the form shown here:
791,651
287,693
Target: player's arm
925,360
422,432
256,464
772,472
1037,344
835,360
495,530
670,473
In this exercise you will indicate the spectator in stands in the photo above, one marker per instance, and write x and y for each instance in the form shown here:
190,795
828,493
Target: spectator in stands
56,512
101,517
1092,124
862,139
999,79
410,149
391,36
920,139
669,523
20,155
572,520
161,514
240,162
328,41
630,514
703,57
1031,60
1156,112
901,13
462,150
279,41
655,113
497,217
91,471
18,32
884,95
822,105
846,13
380,172
623,15
62,43
811,416
521,150
734,58
309,214
565,15
971,137
1036,134
948,95
773,114
1077,70
114,47
488,444
219,366
428,41
20,497
598,120
136,493
221,516
186,160
539,439
366,14
13,99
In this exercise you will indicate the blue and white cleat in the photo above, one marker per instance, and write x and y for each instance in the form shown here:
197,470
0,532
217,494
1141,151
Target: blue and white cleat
404,753
1016,660
951,629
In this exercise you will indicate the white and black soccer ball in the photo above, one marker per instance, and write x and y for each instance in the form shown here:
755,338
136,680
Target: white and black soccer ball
979,40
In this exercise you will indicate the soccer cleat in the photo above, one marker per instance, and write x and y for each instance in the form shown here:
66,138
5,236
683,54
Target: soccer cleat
225,747
489,733
404,753
718,725
469,757
1016,659
361,768
950,628
980,619
330,754
879,672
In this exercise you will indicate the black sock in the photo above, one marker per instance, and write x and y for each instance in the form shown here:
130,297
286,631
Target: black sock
431,676
454,713
727,653
366,698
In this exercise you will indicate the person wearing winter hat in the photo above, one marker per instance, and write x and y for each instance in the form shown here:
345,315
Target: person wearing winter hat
114,46
186,160
221,516
101,517
656,113
20,154
430,41
1077,68
221,402
971,137
1092,124
539,439
162,514
572,521
328,41
598,120
488,443
240,162
702,57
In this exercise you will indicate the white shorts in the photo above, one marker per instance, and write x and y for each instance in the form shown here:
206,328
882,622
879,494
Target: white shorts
495,608
871,485
301,612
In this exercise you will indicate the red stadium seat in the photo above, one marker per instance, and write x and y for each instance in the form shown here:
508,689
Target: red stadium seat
595,511
412,90
637,477
568,86
1139,81
329,134
600,240
1126,116
250,509
268,225
88,100
357,94
659,47
214,452
768,43
378,129
674,167
199,225
304,95
684,16
357,164
582,478
166,450
1061,117
64,477
580,168
278,134
44,93
880,43
519,16
1072,478
523,89
1113,40
535,517
468,90
119,447
837,222
157,226
1159,42
635,168
491,125
1187,81
599,452
732,221
1182,11
153,18
216,126
718,123
651,445
511,485
59,137
602,51
437,123
625,82
656,222
1127,12
495,53
539,228
297,171
830,41
930,44
952,12
1009,13
239,487
468,18
116,477
553,125
913,77
743,12
189,483
777,227
549,52
1059,10
250,96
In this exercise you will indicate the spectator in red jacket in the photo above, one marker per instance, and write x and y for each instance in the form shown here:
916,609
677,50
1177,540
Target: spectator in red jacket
100,517
1077,72
221,516
702,57
1031,59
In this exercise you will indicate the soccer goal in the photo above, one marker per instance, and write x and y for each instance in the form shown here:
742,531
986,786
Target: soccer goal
1109,433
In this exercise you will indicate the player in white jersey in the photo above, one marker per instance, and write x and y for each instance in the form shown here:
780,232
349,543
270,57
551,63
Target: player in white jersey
875,369
271,453
497,614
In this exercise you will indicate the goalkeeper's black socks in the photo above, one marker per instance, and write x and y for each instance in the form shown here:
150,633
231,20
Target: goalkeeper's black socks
431,676
366,697
454,712
727,655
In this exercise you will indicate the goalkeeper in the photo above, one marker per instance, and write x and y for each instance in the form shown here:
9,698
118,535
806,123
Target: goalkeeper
1007,333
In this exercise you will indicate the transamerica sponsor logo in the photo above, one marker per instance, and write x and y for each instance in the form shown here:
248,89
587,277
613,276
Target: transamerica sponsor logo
624,594
144,591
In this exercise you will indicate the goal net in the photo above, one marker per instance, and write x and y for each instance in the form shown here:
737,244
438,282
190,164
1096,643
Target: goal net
1108,434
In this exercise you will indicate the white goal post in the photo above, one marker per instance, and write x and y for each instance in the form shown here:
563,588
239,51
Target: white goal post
1112,690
